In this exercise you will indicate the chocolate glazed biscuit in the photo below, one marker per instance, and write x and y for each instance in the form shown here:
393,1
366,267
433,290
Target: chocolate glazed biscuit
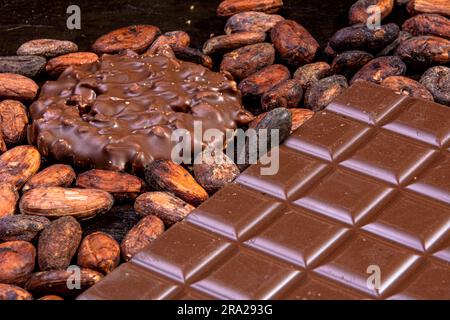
119,113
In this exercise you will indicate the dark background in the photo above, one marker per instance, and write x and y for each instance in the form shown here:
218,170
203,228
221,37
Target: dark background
23,20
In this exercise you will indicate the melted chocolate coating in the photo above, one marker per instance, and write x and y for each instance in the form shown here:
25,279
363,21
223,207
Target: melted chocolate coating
120,112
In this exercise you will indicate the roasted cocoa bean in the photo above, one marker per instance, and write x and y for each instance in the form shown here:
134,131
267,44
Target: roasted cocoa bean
165,175
349,62
56,282
17,87
164,205
21,227
311,73
8,199
429,6
57,175
361,37
48,48
428,24
55,202
362,10
408,87
57,65
379,69
16,262
437,81
294,43
389,50
19,164
171,39
100,252
230,7
264,79
50,297
251,21
10,292
141,235
232,41
245,61
193,55
58,243
324,91
329,52
122,186
137,38
3,147
28,66
299,117
13,121
286,94
424,51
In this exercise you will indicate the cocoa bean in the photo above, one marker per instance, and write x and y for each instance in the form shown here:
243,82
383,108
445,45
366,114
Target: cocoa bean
294,43
17,87
28,66
58,243
50,297
16,262
193,55
18,165
360,13
428,24
437,81
424,51
264,79
57,175
361,37
230,7
164,205
408,87
13,121
171,39
286,94
3,147
390,48
100,252
57,65
329,52
429,6
165,175
141,235
55,202
379,69
8,199
299,117
349,62
232,41
323,92
251,21
56,282
245,61
137,38
311,73
122,186
21,227
48,48
10,292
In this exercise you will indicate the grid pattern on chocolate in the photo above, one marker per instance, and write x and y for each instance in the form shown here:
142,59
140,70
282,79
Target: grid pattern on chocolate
363,187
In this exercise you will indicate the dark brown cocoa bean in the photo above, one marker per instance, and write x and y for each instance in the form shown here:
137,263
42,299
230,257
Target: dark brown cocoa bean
424,51
172,39
13,121
360,37
329,52
286,94
437,81
8,199
21,227
360,13
57,175
428,24
323,92
230,7
28,66
57,65
299,117
16,262
232,41
311,73
264,79
379,69
100,252
193,55
48,48
389,50
348,63
58,243
245,61
17,87
141,235
10,292
251,21
408,87
294,43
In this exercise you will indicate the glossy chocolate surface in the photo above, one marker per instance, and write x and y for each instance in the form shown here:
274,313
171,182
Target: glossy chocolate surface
362,186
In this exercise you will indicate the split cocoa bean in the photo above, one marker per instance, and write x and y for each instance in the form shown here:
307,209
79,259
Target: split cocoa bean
17,259
264,79
13,121
348,63
360,13
18,165
428,24
57,65
193,55
21,227
251,21
57,175
177,38
437,81
424,51
324,91
408,87
11,292
100,252
232,41
379,69
299,117
8,199
17,87
230,7
48,48
311,73
28,66
286,94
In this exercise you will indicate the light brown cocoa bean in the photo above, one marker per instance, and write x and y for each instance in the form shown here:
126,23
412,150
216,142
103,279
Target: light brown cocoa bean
408,87
232,41
264,79
362,10
11,292
323,92
230,7
21,227
57,175
48,48
251,21
13,121
57,65
17,260
379,69
299,117
3,147
193,55
19,164
171,39
428,24
17,87
286,94
429,6
348,63
424,51
100,252
311,73
8,199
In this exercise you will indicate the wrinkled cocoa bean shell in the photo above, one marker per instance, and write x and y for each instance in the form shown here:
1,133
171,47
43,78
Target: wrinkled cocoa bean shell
11,292
57,65
437,81
428,24
379,69
263,80
408,87
28,66
48,48
21,227
13,121
424,51
100,252
286,94
19,164
311,73
17,260
230,7
359,12
348,63
57,175
17,87
323,92
232,41
251,21
299,117
8,199
178,39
